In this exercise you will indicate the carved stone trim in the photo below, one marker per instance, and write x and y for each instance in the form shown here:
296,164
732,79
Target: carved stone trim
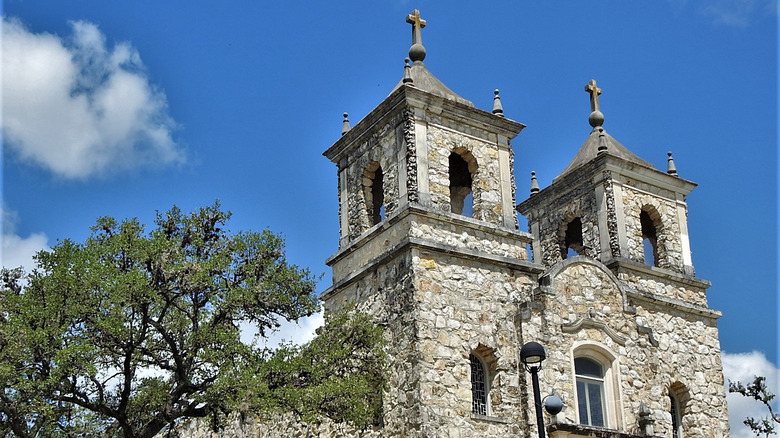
612,222
411,156
581,323
513,184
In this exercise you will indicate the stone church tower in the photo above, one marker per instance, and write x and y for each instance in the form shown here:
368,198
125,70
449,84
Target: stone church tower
430,246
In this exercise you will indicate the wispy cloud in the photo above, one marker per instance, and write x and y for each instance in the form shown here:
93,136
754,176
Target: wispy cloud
744,367
18,251
78,107
737,13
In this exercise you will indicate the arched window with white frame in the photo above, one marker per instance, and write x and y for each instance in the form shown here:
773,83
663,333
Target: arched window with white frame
590,391
596,386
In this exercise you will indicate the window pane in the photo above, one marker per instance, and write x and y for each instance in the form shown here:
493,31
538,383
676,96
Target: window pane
595,402
582,402
478,387
675,418
587,367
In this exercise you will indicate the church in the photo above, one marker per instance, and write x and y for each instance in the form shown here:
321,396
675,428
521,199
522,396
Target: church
431,245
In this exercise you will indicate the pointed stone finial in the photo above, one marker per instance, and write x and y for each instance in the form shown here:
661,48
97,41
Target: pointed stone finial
345,127
596,117
602,139
534,183
497,108
407,72
417,51
671,169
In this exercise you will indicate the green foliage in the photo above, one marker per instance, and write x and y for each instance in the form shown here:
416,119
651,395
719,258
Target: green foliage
339,374
757,390
129,331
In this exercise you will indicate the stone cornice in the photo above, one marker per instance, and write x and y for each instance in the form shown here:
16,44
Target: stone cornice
591,174
408,95
623,264
442,217
424,244
706,312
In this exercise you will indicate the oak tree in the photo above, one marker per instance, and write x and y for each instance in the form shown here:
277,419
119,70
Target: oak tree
130,331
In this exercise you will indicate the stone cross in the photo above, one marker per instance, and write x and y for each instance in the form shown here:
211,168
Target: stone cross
417,24
594,92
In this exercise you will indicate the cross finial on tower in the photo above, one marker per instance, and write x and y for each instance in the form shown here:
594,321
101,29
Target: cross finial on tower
417,51
594,92
596,118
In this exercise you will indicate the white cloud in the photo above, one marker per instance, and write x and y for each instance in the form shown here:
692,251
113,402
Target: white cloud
744,367
16,250
297,333
78,107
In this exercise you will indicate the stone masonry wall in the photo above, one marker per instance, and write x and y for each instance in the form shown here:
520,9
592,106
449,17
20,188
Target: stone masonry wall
669,244
467,306
583,313
486,181
554,216
381,147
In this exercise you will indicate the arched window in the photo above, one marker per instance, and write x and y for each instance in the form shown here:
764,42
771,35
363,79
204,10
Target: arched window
374,193
572,239
649,238
679,397
676,416
597,385
590,391
461,196
479,386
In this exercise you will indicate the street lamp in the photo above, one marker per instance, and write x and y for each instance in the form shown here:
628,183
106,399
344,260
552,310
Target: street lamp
532,354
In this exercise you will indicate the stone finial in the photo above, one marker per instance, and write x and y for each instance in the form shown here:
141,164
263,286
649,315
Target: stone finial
417,51
671,169
407,72
596,117
646,420
345,127
497,108
602,139
534,183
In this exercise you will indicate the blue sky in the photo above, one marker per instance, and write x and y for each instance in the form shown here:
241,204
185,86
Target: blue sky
125,108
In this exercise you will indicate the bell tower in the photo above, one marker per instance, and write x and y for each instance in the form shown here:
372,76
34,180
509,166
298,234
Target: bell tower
429,245
610,205
633,345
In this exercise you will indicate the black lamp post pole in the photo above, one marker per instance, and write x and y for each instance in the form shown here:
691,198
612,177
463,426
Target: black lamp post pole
532,355
537,401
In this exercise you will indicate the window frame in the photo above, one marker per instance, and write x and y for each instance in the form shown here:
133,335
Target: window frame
611,400
588,381
475,359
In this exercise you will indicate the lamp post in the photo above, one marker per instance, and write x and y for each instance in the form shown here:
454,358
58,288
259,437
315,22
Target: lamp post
532,354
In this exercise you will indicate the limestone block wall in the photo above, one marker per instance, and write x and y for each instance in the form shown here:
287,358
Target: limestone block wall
665,288
448,229
668,233
388,294
464,235
686,363
272,426
649,350
468,307
486,181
